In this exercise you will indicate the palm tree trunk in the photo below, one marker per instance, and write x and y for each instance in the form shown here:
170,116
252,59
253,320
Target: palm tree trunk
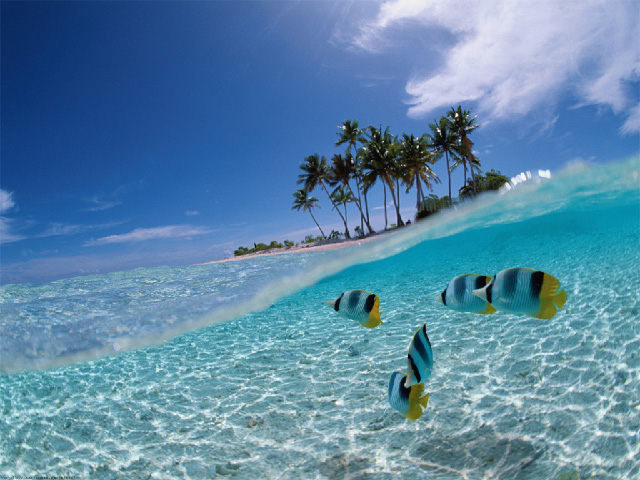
366,206
473,177
317,224
446,155
418,191
359,205
464,163
469,157
399,221
346,229
384,186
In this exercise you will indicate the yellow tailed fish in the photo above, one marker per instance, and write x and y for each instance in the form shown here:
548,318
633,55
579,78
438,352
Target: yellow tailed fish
457,295
407,400
358,305
524,291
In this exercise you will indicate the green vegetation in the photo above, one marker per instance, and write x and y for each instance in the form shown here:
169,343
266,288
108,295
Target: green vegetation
490,181
259,247
374,156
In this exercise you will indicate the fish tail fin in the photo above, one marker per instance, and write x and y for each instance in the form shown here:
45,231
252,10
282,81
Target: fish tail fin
424,400
559,299
438,298
415,401
373,322
489,310
331,303
547,311
550,286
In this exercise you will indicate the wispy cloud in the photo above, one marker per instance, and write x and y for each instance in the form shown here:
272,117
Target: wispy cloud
513,58
143,234
60,229
6,201
191,213
98,203
7,234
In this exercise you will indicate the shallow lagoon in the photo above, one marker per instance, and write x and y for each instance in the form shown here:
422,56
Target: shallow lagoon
295,391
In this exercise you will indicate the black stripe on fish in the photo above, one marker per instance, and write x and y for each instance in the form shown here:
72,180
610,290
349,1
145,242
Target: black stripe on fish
489,290
336,306
509,282
481,281
354,298
459,286
403,391
420,347
424,330
444,296
414,368
368,305
537,278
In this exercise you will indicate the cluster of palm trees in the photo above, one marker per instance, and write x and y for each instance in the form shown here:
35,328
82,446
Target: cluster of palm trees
382,157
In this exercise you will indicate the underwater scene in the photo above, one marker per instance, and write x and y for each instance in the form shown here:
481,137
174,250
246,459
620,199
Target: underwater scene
241,370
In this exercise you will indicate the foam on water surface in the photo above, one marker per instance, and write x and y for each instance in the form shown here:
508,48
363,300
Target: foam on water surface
295,391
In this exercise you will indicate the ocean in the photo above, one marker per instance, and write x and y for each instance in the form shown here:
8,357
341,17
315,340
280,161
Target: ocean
239,370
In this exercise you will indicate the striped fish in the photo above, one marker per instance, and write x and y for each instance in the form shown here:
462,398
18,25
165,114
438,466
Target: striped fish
408,401
524,291
420,358
457,296
358,305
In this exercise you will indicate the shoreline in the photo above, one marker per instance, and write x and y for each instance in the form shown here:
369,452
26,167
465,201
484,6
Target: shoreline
301,248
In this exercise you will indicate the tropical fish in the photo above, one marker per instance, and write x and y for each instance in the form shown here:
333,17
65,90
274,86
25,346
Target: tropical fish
524,291
407,400
420,358
457,296
358,305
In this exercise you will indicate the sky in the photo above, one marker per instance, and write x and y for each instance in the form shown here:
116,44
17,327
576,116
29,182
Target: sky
137,134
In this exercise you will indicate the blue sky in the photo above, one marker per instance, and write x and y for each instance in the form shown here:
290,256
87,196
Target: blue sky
168,133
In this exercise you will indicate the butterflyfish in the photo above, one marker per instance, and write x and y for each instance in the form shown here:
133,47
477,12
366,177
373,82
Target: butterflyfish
420,358
457,295
524,291
407,400
359,305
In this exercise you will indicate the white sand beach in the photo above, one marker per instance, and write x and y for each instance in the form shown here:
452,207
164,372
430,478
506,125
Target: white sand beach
301,248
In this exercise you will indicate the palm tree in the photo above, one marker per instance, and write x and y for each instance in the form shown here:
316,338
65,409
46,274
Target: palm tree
301,199
380,161
350,133
342,169
342,196
316,173
443,140
462,123
415,159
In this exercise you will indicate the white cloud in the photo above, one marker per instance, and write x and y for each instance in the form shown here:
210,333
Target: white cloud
6,230
632,125
142,234
6,201
191,213
516,57
59,229
100,204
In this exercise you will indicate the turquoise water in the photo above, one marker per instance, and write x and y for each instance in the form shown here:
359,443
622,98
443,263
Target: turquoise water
239,370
